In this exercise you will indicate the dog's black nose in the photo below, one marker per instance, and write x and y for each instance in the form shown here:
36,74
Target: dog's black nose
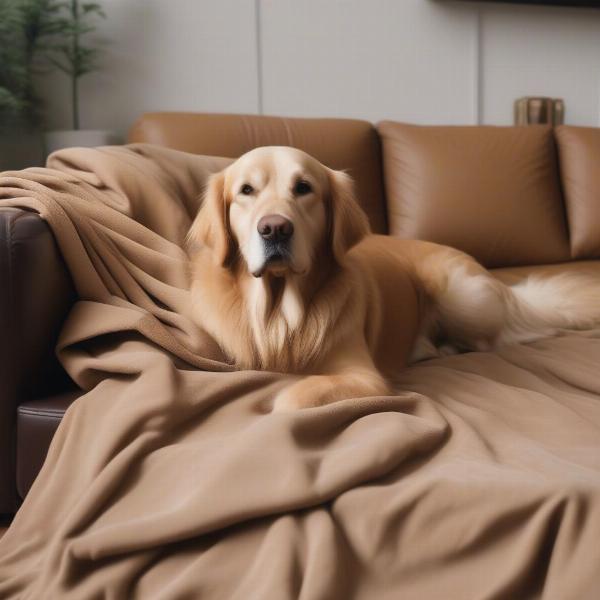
275,228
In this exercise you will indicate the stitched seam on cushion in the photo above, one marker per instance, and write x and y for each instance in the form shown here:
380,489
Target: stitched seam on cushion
9,325
11,286
8,236
40,411
37,413
5,251
288,131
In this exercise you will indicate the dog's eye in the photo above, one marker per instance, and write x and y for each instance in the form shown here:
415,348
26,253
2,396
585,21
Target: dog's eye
246,189
302,188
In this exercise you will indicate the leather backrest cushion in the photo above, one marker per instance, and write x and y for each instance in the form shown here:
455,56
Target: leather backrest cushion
492,192
338,143
579,155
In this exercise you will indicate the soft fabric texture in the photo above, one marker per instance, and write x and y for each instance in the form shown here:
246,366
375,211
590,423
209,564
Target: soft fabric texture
171,478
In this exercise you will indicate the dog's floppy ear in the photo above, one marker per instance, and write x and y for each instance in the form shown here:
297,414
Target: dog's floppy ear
211,226
348,222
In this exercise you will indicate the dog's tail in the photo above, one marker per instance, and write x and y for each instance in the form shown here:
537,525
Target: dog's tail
541,306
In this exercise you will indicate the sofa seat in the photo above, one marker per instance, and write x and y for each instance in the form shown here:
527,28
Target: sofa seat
512,275
506,195
37,422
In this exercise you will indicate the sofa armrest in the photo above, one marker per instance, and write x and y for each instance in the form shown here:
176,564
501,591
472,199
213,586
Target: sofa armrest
36,294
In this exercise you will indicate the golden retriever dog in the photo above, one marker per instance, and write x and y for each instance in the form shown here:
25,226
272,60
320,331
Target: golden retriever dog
286,276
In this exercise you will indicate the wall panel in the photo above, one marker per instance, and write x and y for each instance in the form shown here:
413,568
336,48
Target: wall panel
411,60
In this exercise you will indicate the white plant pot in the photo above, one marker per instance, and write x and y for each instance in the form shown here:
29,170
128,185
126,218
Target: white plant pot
83,138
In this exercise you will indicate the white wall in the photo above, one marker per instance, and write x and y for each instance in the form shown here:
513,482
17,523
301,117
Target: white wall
422,61
195,55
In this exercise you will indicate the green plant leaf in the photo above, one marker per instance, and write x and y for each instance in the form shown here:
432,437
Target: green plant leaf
41,35
64,67
93,8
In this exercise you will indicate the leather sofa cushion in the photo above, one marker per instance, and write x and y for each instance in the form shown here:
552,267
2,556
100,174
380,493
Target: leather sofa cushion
37,422
338,143
513,275
492,192
579,154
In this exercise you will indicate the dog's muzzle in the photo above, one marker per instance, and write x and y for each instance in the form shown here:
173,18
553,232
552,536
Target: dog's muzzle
276,232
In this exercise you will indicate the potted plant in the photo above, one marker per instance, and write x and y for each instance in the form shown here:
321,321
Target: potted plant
24,32
72,22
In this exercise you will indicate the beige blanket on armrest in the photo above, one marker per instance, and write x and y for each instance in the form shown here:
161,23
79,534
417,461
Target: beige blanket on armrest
170,478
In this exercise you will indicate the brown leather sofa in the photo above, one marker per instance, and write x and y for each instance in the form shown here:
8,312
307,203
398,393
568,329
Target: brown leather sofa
513,197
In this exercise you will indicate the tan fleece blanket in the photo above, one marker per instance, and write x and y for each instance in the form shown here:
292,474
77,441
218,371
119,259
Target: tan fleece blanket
170,478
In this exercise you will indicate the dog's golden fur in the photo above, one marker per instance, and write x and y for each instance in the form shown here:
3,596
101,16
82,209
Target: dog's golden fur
347,309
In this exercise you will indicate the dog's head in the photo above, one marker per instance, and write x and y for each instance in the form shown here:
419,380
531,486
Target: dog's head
278,208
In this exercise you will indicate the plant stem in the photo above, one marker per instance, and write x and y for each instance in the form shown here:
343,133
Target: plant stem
75,72
75,101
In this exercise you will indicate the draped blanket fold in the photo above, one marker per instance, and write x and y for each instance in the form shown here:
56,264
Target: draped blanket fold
171,478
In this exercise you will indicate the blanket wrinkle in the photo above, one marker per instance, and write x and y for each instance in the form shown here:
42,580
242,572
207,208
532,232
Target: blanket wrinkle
171,478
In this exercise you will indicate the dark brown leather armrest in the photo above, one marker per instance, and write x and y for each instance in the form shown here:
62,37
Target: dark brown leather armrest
36,294
37,422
